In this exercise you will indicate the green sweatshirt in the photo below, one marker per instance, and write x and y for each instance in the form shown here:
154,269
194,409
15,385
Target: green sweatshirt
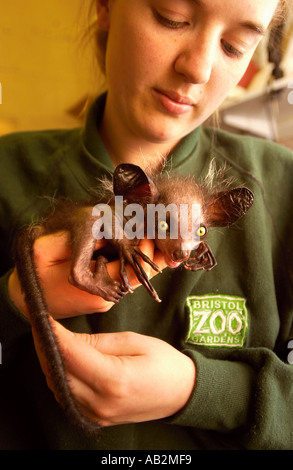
235,321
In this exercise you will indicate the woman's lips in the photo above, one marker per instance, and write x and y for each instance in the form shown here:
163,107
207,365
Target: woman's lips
173,102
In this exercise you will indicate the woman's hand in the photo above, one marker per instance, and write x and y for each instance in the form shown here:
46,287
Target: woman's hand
124,377
53,260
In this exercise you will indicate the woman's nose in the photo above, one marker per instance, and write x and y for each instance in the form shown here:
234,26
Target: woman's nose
196,60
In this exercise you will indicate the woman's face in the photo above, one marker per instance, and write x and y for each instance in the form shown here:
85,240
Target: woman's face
170,63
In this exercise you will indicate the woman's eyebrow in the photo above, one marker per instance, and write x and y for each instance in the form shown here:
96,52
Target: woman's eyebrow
257,28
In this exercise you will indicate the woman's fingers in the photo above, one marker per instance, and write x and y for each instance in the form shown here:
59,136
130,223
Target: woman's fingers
125,377
53,261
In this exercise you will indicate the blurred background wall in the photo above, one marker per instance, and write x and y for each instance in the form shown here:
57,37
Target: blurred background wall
46,70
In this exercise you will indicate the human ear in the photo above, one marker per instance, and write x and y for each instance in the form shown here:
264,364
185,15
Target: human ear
103,8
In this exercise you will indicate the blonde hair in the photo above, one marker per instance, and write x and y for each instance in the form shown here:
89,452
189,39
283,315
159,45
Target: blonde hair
280,13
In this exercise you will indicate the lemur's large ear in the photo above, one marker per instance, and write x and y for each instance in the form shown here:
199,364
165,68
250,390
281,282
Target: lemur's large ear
131,182
228,206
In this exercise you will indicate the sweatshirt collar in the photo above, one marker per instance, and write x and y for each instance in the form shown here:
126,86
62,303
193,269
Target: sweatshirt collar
91,137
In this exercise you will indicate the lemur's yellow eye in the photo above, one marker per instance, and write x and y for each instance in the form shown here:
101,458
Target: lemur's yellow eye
163,225
201,231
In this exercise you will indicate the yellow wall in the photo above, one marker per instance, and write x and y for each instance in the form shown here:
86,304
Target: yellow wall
44,69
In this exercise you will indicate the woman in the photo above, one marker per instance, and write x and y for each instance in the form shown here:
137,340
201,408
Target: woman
200,370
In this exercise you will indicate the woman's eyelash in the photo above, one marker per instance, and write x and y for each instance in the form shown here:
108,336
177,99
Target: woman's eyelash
230,50
169,23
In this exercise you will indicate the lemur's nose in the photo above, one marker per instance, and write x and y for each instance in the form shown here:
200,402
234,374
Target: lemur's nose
180,255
